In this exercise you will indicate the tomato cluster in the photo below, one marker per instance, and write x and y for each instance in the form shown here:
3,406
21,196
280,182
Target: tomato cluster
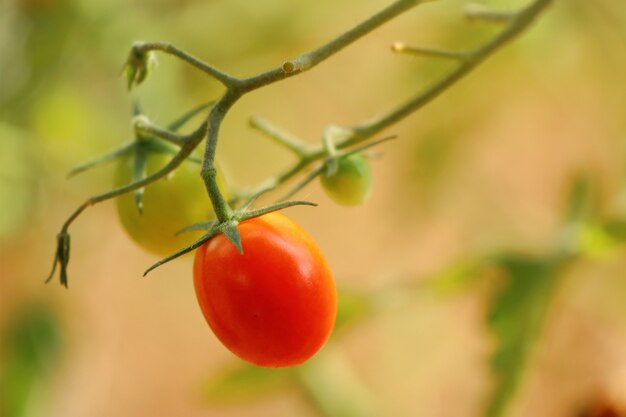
275,304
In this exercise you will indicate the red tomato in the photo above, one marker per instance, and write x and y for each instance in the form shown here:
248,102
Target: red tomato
275,305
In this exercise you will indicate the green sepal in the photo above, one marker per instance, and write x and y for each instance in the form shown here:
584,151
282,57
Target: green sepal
180,122
107,157
274,207
305,181
131,73
207,236
331,166
196,226
138,67
366,146
232,234
139,173
61,257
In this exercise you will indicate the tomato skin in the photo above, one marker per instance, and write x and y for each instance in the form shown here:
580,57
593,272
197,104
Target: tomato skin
276,304
351,184
169,204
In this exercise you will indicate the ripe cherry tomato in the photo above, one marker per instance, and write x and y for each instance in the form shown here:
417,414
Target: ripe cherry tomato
351,184
169,204
275,305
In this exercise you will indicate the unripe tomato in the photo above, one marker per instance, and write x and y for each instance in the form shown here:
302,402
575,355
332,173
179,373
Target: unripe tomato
169,204
275,305
351,184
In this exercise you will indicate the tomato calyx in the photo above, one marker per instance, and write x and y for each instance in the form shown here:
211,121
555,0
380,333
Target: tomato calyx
227,227
61,257
138,65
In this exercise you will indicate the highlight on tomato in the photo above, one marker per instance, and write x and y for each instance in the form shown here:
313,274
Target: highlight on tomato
351,183
275,304
168,205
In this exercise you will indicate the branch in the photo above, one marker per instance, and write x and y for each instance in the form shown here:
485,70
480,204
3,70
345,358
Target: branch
143,125
517,23
310,59
137,68
141,49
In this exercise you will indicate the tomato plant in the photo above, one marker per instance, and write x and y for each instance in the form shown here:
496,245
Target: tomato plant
351,183
169,204
275,305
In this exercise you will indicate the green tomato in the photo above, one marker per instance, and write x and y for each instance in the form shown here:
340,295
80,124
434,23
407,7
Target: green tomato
169,204
351,184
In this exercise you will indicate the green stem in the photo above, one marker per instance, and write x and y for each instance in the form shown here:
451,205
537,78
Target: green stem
144,126
431,52
517,24
479,12
235,88
310,59
145,47
282,138
208,172
179,158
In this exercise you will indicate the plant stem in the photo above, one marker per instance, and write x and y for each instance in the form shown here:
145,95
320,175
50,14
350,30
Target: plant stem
517,24
168,48
237,87
282,138
310,59
208,171
145,126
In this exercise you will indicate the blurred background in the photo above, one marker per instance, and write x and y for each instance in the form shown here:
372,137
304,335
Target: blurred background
485,276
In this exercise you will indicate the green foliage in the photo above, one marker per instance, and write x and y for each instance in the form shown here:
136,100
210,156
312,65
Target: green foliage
582,199
430,162
457,277
350,309
32,347
332,386
516,315
244,383
616,228
17,181
327,380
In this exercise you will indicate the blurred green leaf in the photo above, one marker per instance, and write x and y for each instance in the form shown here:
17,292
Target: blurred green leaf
457,277
598,240
516,315
42,35
581,198
32,347
18,179
430,161
333,387
350,309
616,229
244,382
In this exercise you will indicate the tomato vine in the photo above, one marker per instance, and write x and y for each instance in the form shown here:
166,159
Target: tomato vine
348,139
